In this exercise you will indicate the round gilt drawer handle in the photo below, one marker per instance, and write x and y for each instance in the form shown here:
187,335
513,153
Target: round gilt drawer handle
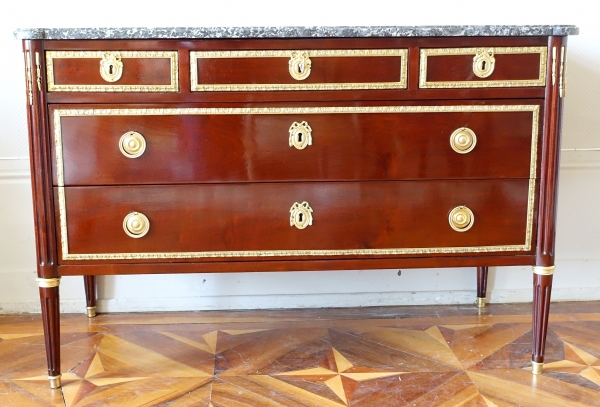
301,215
132,144
300,135
136,225
299,65
484,63
111,66
463,140
461,218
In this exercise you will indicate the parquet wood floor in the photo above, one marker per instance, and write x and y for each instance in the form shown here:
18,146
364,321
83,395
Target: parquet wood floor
381,357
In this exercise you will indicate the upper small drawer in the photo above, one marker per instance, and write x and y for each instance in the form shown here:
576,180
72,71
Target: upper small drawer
482,67
112,71
269,70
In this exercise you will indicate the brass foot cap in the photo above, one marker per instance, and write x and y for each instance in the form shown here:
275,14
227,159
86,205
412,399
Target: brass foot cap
480,302
55,381
536,368
91,312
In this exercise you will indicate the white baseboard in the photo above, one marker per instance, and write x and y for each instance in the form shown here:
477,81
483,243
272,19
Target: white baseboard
335,300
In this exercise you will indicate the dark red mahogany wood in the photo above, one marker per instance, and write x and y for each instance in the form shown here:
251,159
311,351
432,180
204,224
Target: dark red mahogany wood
49,298
43,208
90,290
482,275
255,147
460,68
371,263
347,215
227,182
136,71
542,288
550,157
275,70
548,197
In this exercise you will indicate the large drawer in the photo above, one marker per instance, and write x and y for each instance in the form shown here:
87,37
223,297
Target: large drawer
183,145
250,220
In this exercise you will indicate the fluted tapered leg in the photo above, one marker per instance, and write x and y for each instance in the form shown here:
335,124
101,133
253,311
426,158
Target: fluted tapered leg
482,275
90,295
49,299
542,288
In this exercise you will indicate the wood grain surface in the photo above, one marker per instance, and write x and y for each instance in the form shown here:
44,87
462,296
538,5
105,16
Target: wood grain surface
347,215
431,356
255,147
460,68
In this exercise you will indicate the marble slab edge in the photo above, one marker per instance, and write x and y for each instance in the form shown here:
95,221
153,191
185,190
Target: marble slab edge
293,32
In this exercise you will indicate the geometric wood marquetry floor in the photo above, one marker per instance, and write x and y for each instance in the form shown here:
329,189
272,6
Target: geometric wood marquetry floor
383,357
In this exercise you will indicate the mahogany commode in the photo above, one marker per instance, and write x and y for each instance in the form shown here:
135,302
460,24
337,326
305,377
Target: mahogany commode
279,149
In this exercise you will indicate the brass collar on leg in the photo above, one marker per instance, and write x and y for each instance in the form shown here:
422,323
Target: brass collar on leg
91,312
536,368
480,302
48,282
55,381
544,270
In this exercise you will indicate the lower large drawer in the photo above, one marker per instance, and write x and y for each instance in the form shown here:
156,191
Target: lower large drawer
250,220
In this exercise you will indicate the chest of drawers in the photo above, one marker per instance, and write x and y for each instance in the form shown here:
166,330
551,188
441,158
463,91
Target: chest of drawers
181,151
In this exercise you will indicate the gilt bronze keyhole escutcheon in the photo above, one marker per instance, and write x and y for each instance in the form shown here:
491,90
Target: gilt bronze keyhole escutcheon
300,135
301,215
111,66
299,65
484,63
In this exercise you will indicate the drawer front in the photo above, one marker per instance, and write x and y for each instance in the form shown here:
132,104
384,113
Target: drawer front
482,67
264,144
112,71
329,219
269,70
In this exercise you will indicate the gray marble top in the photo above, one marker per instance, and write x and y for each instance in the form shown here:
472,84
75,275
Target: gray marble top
293,32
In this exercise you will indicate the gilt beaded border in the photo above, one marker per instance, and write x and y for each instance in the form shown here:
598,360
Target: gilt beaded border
432,52
59,113
199,87
171,55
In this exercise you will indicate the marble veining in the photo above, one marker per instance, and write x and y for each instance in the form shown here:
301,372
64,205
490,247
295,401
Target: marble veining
293,32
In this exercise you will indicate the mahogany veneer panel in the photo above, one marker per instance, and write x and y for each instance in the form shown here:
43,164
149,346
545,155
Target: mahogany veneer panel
192,218
460,68
274,70
136,71
234,148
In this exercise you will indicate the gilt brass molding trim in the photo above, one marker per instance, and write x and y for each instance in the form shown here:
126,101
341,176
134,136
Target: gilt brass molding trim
91,312
38,71
198,87
48,282
433,52
537,368
544,270
553,66
66,255
28,69
55,381
171,55
561,87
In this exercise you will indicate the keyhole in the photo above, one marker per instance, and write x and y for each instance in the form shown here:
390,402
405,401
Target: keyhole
300,217
110,69
299,137
483,65
300,67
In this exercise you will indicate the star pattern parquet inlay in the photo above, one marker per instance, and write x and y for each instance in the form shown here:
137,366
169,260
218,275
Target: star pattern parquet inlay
380,357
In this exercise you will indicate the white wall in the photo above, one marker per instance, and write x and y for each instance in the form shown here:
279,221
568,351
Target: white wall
578,260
